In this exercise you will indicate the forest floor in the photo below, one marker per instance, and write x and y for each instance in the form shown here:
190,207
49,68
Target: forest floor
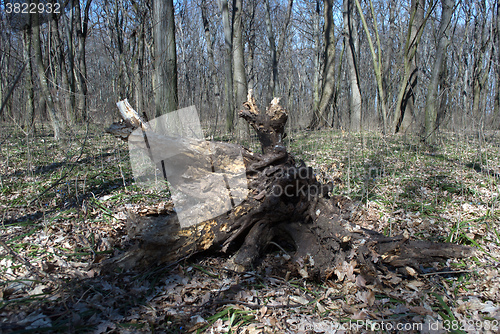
63,211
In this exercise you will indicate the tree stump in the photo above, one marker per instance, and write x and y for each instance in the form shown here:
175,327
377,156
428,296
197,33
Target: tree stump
287,206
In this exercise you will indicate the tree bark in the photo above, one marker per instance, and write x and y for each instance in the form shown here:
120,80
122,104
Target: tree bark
320,115
68,25
496,103
275,50
30,93
431,110
317,57
116,19
66,91
388,63
377,62
239,73
81,75
165,57
138,61
271,90
286,205
41,69
228,65
2,106
483,38
351,42
403,113
251,40
209,38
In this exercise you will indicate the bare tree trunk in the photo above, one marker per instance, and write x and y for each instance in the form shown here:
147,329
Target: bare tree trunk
165,57
377,62
496,103
81,33
431,111
387,60
444,86
1,90
68,31
403,114
228,65
210,50
59,50
275,51
30,94
213,93
271,89
317,58
337,115
351,42
41,69
123,77
239,75
320,115
138,61
389,65
251,45
482,37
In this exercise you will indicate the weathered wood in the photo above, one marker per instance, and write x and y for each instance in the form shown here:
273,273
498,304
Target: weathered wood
285,204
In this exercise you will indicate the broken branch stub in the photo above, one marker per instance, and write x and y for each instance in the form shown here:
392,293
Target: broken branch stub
205,179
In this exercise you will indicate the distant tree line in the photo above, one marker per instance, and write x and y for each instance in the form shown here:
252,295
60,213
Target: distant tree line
416,66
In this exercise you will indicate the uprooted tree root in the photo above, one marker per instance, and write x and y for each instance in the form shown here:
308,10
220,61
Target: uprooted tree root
286,205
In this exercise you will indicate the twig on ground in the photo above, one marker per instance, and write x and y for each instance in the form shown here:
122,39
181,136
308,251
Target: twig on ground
19,258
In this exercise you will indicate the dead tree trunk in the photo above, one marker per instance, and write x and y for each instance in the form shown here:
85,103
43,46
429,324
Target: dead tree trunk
285,205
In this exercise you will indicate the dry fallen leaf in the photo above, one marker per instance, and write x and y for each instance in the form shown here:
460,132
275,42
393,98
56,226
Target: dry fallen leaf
414,285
